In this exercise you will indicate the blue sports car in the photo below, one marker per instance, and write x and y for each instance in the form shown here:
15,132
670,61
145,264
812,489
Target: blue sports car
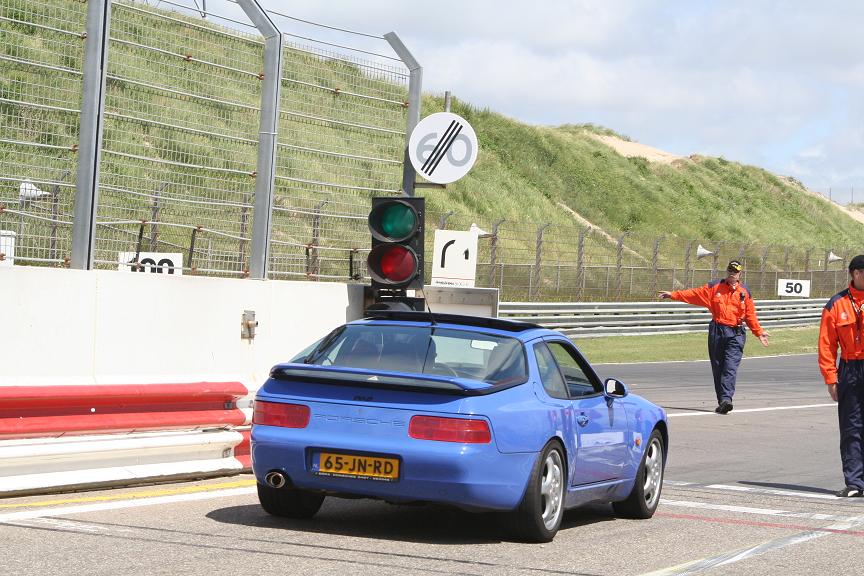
479,413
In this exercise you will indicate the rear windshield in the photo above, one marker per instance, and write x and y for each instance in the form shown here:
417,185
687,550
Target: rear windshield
424,350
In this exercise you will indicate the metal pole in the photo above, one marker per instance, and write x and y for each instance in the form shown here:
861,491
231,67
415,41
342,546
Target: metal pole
442,222
618,257
762,267
447,101
687,261
262,215
493,256
655,256
580,264
715,258
154,219
535,284
415,85
314,265
90,141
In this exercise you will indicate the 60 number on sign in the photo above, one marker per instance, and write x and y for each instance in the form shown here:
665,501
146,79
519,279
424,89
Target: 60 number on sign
794,288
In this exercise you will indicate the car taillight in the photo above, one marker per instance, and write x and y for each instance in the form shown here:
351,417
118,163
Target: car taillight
284,415
449,430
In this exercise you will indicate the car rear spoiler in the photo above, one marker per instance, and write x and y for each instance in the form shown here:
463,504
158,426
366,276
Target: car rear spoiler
343,376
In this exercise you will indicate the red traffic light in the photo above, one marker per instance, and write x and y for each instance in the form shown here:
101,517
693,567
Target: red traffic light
392,264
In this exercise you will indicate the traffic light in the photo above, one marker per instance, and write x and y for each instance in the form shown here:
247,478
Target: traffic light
396,259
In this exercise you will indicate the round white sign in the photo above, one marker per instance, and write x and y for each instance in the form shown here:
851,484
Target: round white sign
443,147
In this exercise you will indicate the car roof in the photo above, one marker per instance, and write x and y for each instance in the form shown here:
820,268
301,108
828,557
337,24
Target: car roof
522,330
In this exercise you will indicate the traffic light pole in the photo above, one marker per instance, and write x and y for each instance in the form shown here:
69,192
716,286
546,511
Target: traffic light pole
415,86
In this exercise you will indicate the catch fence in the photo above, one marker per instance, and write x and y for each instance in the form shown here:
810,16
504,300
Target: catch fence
182,124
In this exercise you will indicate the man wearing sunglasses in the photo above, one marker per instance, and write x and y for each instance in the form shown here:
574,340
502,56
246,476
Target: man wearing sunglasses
731,306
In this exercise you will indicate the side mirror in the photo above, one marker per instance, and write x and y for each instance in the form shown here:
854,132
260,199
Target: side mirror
615,388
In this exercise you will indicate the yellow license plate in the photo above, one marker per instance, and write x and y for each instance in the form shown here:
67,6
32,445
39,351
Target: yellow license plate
353,466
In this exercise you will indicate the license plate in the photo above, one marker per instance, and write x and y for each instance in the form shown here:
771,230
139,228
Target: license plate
355,466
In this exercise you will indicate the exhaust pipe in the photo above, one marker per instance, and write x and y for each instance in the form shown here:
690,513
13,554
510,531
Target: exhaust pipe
275,479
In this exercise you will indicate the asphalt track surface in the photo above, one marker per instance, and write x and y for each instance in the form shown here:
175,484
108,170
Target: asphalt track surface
746,493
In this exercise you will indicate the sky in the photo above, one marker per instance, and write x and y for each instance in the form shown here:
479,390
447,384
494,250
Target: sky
773,84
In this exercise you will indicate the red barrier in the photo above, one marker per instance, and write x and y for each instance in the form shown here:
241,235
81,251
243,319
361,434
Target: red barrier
243,451
35,411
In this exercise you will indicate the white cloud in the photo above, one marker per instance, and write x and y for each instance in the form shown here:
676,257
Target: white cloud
772,83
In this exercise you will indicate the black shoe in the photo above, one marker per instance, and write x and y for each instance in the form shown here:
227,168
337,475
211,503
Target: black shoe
724,407
848,492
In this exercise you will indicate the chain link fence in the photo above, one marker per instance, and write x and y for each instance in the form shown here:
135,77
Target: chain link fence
179,158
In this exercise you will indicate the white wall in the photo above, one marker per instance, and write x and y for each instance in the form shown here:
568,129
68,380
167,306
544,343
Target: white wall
104,327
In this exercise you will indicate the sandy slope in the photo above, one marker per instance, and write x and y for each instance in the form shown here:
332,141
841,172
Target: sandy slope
634,149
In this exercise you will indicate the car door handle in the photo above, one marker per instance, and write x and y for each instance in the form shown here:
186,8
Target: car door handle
582,420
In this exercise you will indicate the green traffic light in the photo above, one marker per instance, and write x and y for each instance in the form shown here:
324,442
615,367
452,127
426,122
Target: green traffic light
394,221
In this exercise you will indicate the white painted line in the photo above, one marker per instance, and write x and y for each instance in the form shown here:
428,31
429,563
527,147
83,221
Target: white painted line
797,493
698,360
759,511
748,410
745,553
84,508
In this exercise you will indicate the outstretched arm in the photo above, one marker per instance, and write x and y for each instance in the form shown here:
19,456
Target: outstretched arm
700,296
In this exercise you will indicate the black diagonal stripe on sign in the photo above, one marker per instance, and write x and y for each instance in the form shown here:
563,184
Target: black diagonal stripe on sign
438,146
446,148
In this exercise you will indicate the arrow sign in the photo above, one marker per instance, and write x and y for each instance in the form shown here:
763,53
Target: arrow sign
448,269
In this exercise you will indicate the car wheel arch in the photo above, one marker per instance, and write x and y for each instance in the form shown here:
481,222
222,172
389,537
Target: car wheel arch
663,428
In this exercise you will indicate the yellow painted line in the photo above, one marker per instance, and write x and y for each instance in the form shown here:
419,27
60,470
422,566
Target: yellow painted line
135,495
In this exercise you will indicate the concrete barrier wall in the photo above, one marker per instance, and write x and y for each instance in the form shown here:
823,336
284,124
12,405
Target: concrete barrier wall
65,327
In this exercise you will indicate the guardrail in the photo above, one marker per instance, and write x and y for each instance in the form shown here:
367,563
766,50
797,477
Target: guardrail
583,319
67,437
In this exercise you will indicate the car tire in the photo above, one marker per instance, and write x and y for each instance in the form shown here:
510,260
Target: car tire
538,517
643,499
288,502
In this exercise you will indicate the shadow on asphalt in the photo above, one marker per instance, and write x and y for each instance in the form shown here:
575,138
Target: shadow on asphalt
424,523
796,487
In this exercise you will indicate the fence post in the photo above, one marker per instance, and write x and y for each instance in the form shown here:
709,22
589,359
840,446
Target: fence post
618,258
762,262
244,229
580,264
154,218
493,251
536,277
687,252
786,260
265,179
90,141
55,215
715,258
313,264
442,222
655,256
415,86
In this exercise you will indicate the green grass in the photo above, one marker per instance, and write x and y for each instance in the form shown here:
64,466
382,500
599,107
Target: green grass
666,347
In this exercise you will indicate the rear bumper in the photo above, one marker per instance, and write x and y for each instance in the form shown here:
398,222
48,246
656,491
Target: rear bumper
470,476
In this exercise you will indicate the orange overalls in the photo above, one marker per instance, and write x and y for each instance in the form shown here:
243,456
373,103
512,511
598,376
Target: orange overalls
730,309
842,325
